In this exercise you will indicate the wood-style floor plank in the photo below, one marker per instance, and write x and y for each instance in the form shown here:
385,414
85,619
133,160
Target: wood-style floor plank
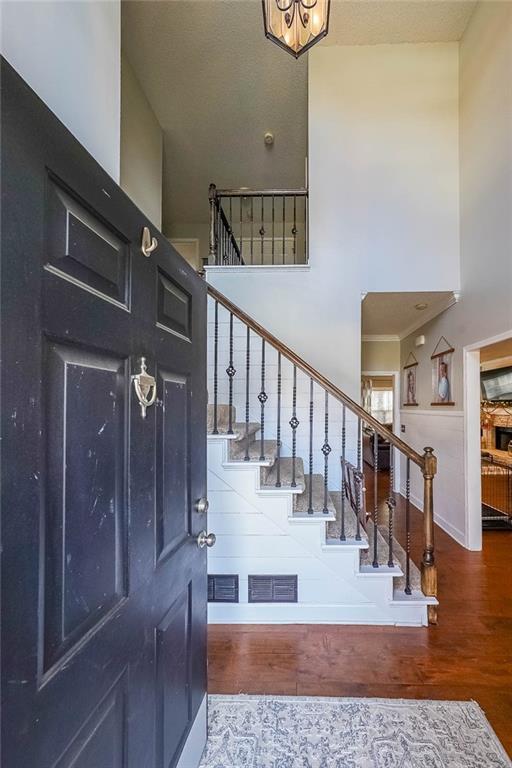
468,655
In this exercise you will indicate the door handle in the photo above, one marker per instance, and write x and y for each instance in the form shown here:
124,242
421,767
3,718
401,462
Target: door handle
206,539
145,387
202,506
149,244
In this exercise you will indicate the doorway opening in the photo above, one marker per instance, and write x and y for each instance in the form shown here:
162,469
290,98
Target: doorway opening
496,435
488,454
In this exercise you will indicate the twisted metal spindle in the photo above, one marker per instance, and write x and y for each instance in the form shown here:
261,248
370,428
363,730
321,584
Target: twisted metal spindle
262,397
230,370
408,590
343,489
294,423
294,229
358,484
326,449
375,562
262,227
284,218
310,489
215,430
391,506
247,377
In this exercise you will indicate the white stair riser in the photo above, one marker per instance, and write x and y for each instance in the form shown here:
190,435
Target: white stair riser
257,535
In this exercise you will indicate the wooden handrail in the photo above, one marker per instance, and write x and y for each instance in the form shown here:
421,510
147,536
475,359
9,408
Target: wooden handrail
241,192
308,369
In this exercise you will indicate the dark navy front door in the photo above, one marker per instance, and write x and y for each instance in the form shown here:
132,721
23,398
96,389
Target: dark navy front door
103,583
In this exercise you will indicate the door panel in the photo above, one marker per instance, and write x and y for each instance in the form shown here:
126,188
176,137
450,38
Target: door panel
172,462
84,536
103,585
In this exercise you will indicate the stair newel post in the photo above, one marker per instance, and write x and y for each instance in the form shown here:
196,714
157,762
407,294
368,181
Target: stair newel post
215,429
375,562
262,397
408,590
428,566
343,489
326,449
212,196
358,483
247,377
294,423
230,370
278,433
310,489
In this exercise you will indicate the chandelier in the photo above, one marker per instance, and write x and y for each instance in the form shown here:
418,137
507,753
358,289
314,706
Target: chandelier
296,25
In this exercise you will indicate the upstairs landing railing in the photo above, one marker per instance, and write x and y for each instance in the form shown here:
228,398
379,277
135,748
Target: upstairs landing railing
259,339
258,227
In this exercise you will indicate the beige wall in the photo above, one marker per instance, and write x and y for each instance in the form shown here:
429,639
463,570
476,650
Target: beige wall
141,147
485,307
380,356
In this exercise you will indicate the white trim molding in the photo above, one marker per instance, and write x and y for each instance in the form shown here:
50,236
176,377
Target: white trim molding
380,337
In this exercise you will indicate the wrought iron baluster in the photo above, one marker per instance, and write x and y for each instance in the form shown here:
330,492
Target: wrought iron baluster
391,505
310,489
240,203
252,229
343,489
326,449
262,397
294,229
262,228
230,370
358,483
294,423
273,227
215,430
278,433
247,376
284,219
408,590
375,562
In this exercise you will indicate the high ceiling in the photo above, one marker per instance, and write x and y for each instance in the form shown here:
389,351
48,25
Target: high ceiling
369,22
217,85
399,314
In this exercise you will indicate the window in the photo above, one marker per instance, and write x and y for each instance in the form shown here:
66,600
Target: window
381,405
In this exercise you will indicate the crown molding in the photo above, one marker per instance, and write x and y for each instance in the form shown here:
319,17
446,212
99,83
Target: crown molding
380,337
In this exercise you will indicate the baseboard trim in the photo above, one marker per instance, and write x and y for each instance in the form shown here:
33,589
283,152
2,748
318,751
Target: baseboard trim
447,527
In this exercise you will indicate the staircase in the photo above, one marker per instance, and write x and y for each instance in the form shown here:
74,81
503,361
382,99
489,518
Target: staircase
287,491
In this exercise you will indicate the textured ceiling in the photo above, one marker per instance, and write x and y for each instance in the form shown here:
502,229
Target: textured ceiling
369,22
395,314
217,85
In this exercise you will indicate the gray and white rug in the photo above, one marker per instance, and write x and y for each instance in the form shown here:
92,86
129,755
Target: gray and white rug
298,732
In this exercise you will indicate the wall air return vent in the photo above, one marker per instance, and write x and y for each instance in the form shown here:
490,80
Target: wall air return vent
223,589
273,589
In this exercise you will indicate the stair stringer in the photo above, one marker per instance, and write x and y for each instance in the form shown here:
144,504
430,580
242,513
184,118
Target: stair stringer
257,534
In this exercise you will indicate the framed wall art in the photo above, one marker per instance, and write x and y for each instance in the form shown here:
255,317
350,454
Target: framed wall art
442,373
409,381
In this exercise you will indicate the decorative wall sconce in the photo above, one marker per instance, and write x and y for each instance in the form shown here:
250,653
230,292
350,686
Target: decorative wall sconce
296,25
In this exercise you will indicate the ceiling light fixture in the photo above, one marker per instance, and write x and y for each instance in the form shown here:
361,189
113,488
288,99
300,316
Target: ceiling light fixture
296,25
421,305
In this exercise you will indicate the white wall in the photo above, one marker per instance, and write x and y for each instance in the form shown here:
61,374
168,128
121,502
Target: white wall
69,53
141,147
383,180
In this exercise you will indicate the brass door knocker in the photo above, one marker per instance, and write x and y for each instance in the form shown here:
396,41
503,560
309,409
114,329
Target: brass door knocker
145,387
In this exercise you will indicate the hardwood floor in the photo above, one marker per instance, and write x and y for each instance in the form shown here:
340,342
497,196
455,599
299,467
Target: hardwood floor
467,656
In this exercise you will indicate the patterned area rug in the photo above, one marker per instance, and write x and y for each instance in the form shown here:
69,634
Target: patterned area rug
297,732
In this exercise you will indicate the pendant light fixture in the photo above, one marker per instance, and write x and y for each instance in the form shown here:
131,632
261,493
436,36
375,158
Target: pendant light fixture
296,25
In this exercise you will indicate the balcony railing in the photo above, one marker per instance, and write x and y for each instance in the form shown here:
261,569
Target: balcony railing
258,227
